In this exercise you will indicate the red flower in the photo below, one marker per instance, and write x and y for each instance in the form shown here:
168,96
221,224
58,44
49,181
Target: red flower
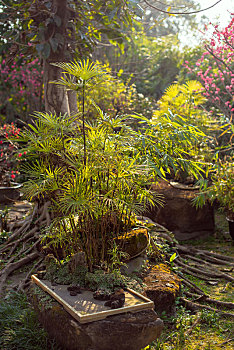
20,154
12,176
25,153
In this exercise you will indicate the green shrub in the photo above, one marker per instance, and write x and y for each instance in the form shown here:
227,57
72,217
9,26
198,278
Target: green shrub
19,327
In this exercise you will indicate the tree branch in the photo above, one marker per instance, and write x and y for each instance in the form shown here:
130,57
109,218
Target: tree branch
181,13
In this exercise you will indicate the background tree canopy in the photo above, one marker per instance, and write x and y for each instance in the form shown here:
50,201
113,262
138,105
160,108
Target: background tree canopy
58,30
139,42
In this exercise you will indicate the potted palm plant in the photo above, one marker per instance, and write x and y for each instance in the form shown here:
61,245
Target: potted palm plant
94,184
92,176
180,124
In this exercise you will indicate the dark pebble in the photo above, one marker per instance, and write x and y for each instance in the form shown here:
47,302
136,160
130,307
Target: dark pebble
74,289
73,293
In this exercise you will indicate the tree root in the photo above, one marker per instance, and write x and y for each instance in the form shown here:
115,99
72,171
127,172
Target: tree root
189,331
195,306
25,281
206,255
21,247
218,256
207,263
44,213
25,225
190,284
158,230
11,267
227,341
215,260
24,250
25,238
215,274
206,299
191,273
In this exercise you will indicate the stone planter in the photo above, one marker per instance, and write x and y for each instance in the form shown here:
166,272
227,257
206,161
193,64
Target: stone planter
179,215
9,194
84,308
124,331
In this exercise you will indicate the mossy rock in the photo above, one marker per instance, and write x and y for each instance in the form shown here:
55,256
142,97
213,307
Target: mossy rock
163,287
134,242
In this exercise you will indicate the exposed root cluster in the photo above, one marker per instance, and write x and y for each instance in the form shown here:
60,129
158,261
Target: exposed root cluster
21,248
202,264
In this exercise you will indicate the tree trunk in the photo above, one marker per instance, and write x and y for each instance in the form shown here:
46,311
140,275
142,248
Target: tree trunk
56,98
72,100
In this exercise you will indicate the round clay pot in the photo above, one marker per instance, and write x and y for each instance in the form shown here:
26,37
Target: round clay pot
9,194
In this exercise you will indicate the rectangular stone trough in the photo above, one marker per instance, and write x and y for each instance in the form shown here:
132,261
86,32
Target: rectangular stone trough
84,308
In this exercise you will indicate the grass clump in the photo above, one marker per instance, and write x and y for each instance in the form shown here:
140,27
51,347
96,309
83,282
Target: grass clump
19,326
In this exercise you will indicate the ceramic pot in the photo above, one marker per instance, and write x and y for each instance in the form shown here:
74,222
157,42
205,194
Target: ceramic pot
9,194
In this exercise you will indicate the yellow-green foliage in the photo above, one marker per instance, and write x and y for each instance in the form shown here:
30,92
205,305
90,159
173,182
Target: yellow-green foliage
113,96
185,100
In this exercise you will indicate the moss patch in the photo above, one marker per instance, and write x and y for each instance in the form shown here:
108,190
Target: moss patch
161,277
133,242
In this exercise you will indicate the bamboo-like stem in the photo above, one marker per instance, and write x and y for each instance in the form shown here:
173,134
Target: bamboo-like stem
83,121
